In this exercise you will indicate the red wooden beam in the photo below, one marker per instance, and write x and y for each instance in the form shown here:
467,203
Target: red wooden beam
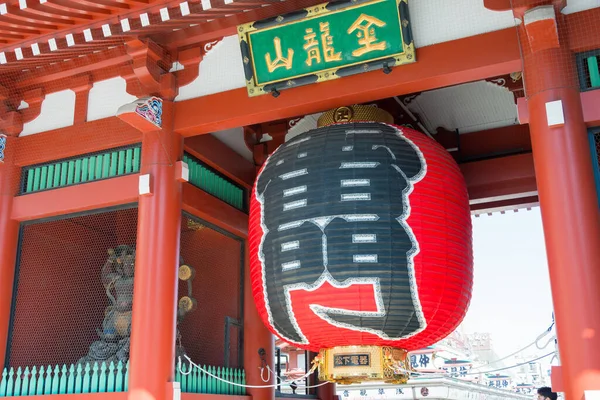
459,61
500,179
214,211
74,140
509,138
590,102
220,157
505,205
73,199
486,144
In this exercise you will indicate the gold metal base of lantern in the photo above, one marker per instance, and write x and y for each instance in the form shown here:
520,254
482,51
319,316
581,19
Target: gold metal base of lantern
354,364
355,113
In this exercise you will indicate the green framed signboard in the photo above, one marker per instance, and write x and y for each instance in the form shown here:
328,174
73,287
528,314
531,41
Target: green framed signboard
324,42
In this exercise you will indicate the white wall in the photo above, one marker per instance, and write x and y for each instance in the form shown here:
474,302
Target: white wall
220,70
106,97
58,111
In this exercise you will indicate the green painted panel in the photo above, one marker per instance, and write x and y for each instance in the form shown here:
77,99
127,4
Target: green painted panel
43,177
32,382
594,71
92,169
71,380
48,379
29,188
18,383
84,170
50,179
78,380
328,39
55,380
71,173
81,170
128,161
57,175
36,179
113,164
209,181
64,167
77,171
136,159
105,165
121,163
39,390
10,387
119,378
62,384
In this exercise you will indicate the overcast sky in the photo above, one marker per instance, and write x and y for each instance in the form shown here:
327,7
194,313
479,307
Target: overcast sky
511,293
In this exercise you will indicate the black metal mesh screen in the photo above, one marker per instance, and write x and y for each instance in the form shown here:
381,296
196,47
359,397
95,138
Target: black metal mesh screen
74,292
211,334
597,142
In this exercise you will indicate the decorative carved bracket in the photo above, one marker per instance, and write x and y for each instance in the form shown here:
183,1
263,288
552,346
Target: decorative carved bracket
150,66
143,114
190,60
255,136
13,119
512,82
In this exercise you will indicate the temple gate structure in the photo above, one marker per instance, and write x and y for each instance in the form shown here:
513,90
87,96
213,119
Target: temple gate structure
132,131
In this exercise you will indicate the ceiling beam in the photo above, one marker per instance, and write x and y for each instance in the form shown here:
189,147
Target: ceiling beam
445,64
504,206
217,155
498,180
590,103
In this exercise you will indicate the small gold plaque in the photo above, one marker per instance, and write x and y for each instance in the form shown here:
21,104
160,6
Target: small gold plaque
355,364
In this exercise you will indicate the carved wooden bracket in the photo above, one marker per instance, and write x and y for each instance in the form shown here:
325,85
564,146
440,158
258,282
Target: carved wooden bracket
34,98
190,60
255,135
513,82
149,74
13,119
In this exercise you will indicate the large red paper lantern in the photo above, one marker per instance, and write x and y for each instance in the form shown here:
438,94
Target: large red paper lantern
360,234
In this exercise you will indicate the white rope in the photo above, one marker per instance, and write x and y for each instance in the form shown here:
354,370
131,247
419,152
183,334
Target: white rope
179,367
299,379
262,370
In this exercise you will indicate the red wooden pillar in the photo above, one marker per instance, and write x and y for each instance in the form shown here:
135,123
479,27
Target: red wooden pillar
152,352
256,337
327,391
567,194
9,239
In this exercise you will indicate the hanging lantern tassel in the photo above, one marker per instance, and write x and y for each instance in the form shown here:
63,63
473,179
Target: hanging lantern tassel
354,364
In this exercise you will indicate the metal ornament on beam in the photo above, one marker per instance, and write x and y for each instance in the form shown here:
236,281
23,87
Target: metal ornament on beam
144,114
325,42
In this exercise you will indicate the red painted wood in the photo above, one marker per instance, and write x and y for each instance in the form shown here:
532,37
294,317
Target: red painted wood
157,259
439,65
569,208
9,239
